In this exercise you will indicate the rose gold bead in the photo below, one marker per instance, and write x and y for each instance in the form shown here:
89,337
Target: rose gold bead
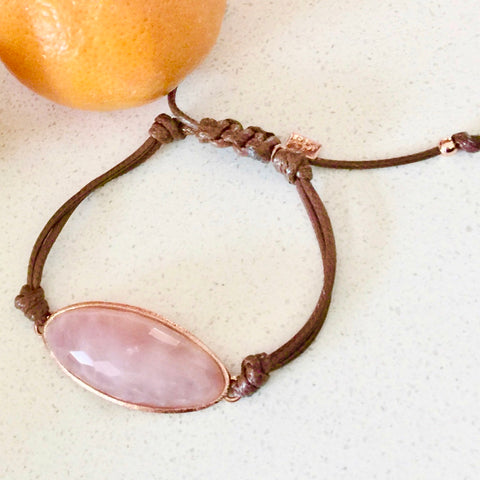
301,144
447,146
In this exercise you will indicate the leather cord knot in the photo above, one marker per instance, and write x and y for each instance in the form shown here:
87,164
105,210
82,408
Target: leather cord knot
251,142
254,374
166,129
467,143
31,301
292,164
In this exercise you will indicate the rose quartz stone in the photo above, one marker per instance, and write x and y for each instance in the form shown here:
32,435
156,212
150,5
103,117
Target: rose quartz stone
131,356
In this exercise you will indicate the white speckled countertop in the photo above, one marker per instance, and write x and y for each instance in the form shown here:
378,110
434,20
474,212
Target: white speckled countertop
390,390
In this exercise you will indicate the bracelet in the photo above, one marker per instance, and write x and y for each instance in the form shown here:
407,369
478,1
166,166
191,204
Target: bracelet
138,358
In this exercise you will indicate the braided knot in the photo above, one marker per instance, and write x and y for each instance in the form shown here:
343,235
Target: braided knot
251,142
166,129
468,143
292,164
31,301
254,374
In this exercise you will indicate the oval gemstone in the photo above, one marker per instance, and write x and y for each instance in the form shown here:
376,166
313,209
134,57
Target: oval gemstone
135,357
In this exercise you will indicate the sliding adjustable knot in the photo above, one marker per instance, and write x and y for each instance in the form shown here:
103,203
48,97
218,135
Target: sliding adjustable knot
467,143
251,142
167,129
31,301
254,375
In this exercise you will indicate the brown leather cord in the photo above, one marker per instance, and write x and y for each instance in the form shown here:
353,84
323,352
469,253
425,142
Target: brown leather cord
31,299
256,368
55,225
463,141
323,230
253,142
369,164
256,143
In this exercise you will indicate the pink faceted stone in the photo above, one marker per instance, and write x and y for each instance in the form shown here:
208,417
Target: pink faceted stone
135,357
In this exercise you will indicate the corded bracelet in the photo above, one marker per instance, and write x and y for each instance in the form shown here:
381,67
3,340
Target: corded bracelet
138,358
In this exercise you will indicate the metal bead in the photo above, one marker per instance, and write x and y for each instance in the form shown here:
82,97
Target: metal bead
447,147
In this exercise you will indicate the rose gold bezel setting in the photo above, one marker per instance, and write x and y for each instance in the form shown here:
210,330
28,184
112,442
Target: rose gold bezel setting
153,316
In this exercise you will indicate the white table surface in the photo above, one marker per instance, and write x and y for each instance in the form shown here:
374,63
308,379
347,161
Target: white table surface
220,244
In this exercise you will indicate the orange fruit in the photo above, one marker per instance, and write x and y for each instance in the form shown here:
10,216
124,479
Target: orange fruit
106,54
